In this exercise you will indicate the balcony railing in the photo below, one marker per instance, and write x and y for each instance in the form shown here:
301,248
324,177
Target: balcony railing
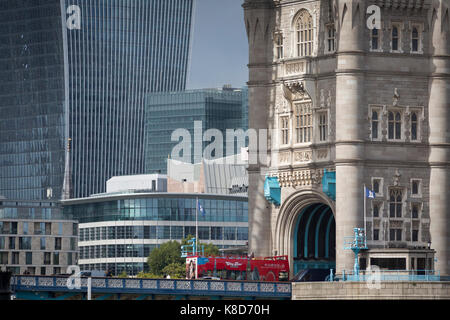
391,275
155,286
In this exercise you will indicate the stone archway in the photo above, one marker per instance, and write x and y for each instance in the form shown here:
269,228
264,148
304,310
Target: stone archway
304,210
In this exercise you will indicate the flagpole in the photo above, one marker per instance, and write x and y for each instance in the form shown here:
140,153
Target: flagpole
196,223
365,230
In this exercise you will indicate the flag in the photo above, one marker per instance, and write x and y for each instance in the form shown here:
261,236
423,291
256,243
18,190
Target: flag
370,194
201,209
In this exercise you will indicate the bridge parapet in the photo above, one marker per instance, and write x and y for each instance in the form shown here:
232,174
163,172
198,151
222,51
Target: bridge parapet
281,290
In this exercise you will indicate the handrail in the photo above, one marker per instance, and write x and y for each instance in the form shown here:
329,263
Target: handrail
156,286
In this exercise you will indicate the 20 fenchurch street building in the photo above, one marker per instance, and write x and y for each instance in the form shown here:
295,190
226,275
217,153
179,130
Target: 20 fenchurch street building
73,80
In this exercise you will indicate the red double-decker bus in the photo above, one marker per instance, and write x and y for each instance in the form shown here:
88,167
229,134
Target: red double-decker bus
238,268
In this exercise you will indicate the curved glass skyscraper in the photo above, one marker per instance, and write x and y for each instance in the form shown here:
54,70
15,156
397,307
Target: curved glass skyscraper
79,70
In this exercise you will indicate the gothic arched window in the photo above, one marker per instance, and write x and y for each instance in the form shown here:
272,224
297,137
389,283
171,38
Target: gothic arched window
414,126
395,203
415,40
304,34
374,125
395,38
375,39
395,125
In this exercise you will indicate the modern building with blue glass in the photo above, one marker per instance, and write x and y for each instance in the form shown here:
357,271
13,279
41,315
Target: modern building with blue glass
119,230
79,71
195,111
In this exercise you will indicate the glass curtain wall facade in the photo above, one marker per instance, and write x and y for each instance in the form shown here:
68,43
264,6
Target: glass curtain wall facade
31,99
118,233
220,109
87,84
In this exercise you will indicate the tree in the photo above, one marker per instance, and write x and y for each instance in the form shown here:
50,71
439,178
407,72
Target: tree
168,253
175,270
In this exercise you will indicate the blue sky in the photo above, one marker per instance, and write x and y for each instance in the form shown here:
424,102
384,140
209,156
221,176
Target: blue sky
220,49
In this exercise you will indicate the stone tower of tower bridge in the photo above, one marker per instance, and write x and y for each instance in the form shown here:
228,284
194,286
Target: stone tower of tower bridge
371,105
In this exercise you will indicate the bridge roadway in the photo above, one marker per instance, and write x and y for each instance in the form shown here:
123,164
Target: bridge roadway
55,288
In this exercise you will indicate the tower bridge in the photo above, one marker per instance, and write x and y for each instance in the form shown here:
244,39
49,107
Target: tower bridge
56,288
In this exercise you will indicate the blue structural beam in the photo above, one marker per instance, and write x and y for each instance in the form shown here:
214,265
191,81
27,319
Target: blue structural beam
329,184
43,287
272,190
311,215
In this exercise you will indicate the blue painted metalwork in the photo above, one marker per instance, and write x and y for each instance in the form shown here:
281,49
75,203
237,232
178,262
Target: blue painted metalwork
43,287
391,275
192,249
329,184
356,244
272,190
316,240
296,233
327,237
307,228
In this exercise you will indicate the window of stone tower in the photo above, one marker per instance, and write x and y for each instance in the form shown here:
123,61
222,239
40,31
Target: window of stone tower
395,203
375,40
415,210
416,188
395,234
394,125
414,126
415,235
284,124
331,39
376,234
377,186
279,46
323,126
415,40
376,210
304,34
375,124
395,38
303,122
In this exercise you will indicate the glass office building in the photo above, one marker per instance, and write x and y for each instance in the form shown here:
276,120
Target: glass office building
82,74
118,231
220,109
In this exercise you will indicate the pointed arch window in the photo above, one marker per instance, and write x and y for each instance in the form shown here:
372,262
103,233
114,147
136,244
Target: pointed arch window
395,125
414,126
375,43
395,38
375,122
395,203
304,34
415,40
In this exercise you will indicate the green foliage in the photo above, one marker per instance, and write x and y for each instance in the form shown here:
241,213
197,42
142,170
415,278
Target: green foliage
167,259
175,270
144,275
123,274
168,253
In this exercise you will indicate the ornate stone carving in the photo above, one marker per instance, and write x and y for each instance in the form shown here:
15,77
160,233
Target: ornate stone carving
322,153
284,157
396,177
396,97
302,156
294,68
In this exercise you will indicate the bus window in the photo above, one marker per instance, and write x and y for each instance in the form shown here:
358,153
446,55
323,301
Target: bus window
255,274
